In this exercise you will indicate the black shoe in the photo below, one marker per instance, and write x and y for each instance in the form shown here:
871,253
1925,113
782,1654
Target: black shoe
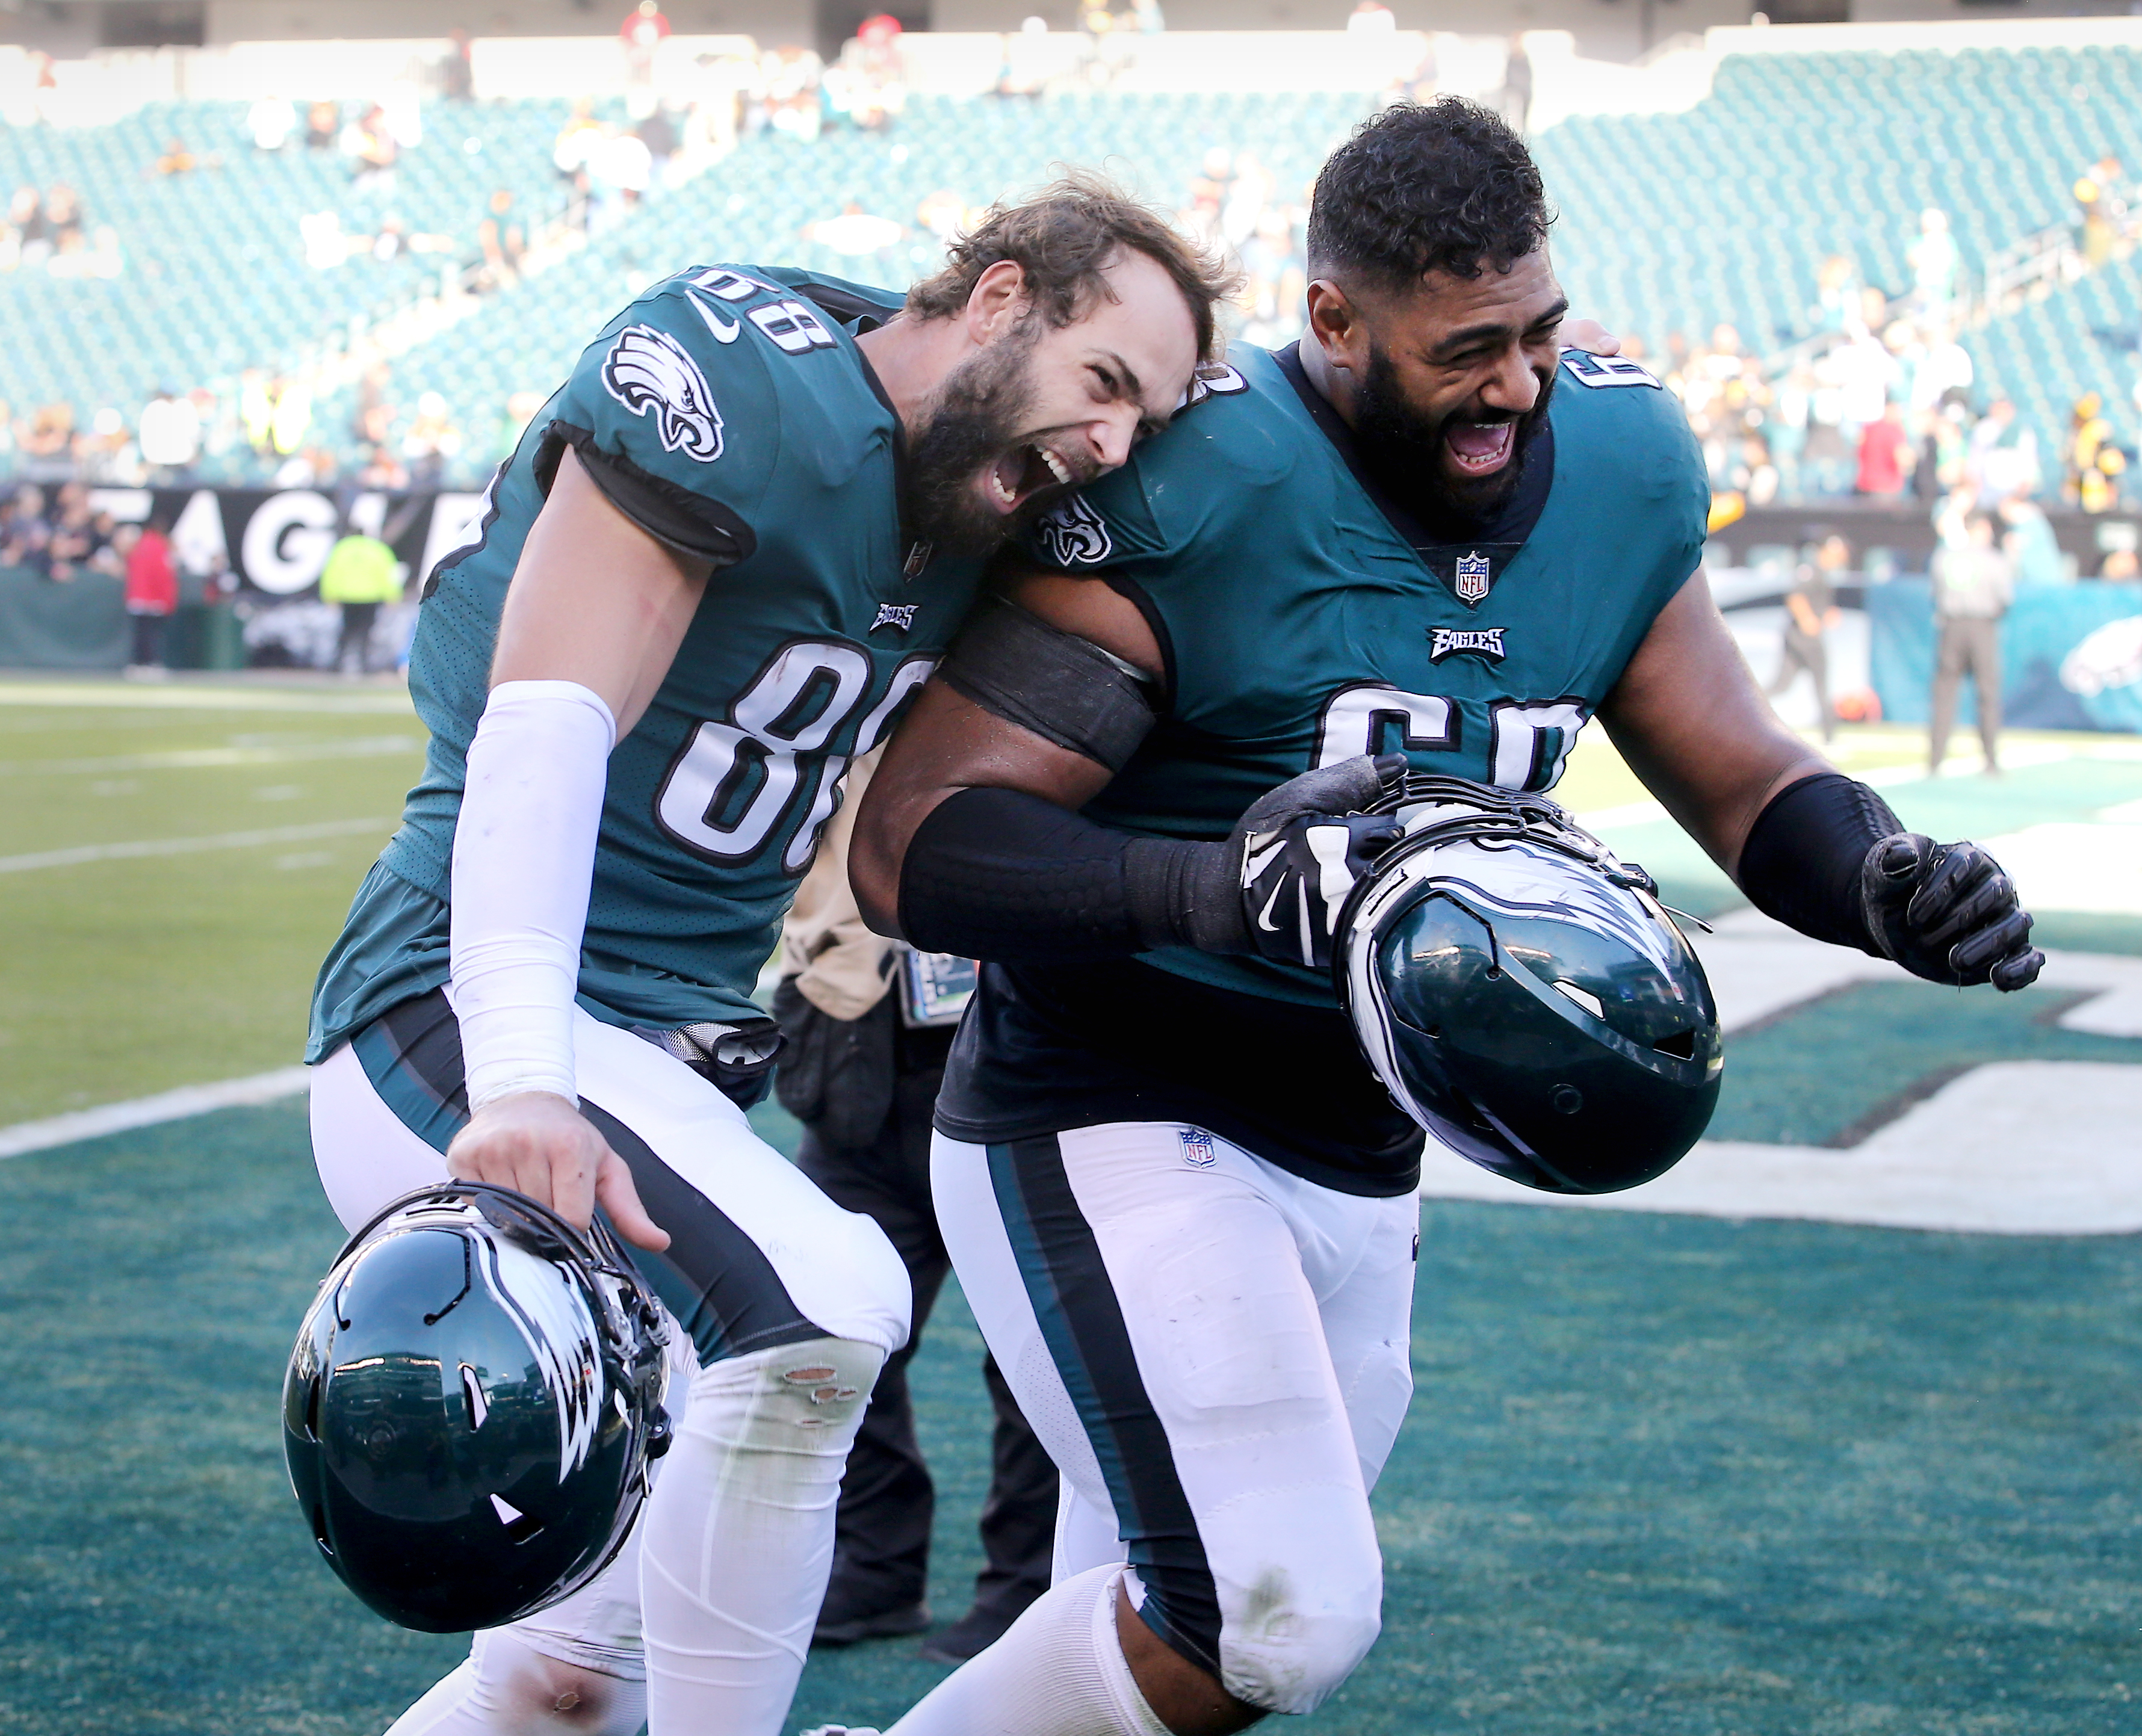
840,1623
973,1633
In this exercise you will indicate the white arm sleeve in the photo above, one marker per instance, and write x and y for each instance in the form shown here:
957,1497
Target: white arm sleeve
524,854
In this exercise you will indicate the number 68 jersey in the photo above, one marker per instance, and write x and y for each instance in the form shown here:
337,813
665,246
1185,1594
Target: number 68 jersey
728,413
1304,619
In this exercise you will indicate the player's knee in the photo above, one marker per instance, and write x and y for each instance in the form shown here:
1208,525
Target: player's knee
536,1696
1288,1644
808,1396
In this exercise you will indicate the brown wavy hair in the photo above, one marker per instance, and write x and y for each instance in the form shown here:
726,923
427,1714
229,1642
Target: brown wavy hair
1064,238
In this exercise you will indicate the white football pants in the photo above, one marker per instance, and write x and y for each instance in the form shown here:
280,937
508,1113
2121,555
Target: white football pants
793,1304
1217,1354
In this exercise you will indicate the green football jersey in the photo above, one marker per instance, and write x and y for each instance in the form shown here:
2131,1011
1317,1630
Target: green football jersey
729,413
1300,627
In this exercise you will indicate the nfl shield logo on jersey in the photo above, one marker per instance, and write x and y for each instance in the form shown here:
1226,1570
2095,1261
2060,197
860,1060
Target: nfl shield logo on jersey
1475,574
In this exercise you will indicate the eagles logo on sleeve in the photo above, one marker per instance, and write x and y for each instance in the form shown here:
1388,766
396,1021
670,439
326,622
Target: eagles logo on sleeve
650,373
1072,533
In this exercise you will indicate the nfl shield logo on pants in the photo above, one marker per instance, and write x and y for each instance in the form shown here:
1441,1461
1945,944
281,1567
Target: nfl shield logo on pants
1474,573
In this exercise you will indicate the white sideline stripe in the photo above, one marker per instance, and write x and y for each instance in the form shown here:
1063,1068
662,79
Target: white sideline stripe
38,1136
189,846
2013,1148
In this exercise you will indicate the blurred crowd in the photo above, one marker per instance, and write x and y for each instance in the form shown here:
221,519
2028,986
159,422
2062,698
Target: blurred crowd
1883,402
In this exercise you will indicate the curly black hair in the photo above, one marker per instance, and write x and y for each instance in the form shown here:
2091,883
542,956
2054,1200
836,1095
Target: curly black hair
1441,186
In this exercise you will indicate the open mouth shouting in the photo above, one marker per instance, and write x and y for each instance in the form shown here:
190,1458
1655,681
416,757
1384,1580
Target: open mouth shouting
1478,448
1025,472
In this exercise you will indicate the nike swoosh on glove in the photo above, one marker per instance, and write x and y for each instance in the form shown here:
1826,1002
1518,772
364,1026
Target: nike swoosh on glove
1273,887
1947,912
1297,878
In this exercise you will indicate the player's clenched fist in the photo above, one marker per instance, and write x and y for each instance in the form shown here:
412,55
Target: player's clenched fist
1947,912
539,1144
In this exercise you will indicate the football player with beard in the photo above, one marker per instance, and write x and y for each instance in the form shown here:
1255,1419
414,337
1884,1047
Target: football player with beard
723,555
1182,1205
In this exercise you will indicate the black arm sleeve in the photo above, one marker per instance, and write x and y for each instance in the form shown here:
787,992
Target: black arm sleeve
1005,876
1803,859
1064,688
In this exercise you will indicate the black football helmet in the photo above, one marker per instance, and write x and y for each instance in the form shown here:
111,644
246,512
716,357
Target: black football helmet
472,1407
1524,996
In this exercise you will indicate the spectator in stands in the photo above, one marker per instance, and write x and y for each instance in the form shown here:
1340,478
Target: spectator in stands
2003,455
457,75
1811,615
877,74
51,432
433,440
1837,294
1517,82
2098,192
791,77
1973,585
29,235
293,419
63,214
81,537
371,144
2119,566
1371,17
503,242
2027,536
360,574
152,594
1885,455
323,124
379,469
644,30
272,121
28,533
2093,464
171,438
619,170
176,159
1935,263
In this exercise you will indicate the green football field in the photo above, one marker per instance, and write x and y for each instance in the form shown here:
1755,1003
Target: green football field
1718,1474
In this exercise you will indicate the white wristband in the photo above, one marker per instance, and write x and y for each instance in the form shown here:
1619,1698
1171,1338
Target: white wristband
524,854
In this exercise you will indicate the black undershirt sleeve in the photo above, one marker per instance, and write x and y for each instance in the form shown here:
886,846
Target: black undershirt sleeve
693,524
1007,877
1803,860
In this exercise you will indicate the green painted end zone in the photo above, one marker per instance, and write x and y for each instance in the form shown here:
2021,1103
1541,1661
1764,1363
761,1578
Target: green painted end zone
1664,1477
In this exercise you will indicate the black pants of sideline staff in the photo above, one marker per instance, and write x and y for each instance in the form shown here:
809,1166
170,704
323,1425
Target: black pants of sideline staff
881,1537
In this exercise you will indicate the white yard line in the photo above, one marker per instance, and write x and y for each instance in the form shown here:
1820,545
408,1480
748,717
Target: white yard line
190,846
184,696
38,1136
187,759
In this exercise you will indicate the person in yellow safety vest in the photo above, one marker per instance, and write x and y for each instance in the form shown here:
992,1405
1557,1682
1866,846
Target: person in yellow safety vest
360,575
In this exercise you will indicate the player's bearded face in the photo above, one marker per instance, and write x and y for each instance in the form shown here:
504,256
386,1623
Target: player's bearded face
1413,452
977,471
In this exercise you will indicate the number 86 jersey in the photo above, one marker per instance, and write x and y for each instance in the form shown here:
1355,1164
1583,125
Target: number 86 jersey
728,412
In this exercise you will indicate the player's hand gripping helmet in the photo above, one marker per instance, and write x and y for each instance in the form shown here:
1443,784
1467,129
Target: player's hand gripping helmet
471,1409
1524,996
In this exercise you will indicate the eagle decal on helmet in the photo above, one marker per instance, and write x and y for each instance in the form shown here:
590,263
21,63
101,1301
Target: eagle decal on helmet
649,373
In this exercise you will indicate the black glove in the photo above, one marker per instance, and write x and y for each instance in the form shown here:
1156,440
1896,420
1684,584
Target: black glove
1947,912
1275,887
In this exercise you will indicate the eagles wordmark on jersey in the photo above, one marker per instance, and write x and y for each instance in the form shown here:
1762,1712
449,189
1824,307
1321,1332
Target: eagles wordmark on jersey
728,413
1301,624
